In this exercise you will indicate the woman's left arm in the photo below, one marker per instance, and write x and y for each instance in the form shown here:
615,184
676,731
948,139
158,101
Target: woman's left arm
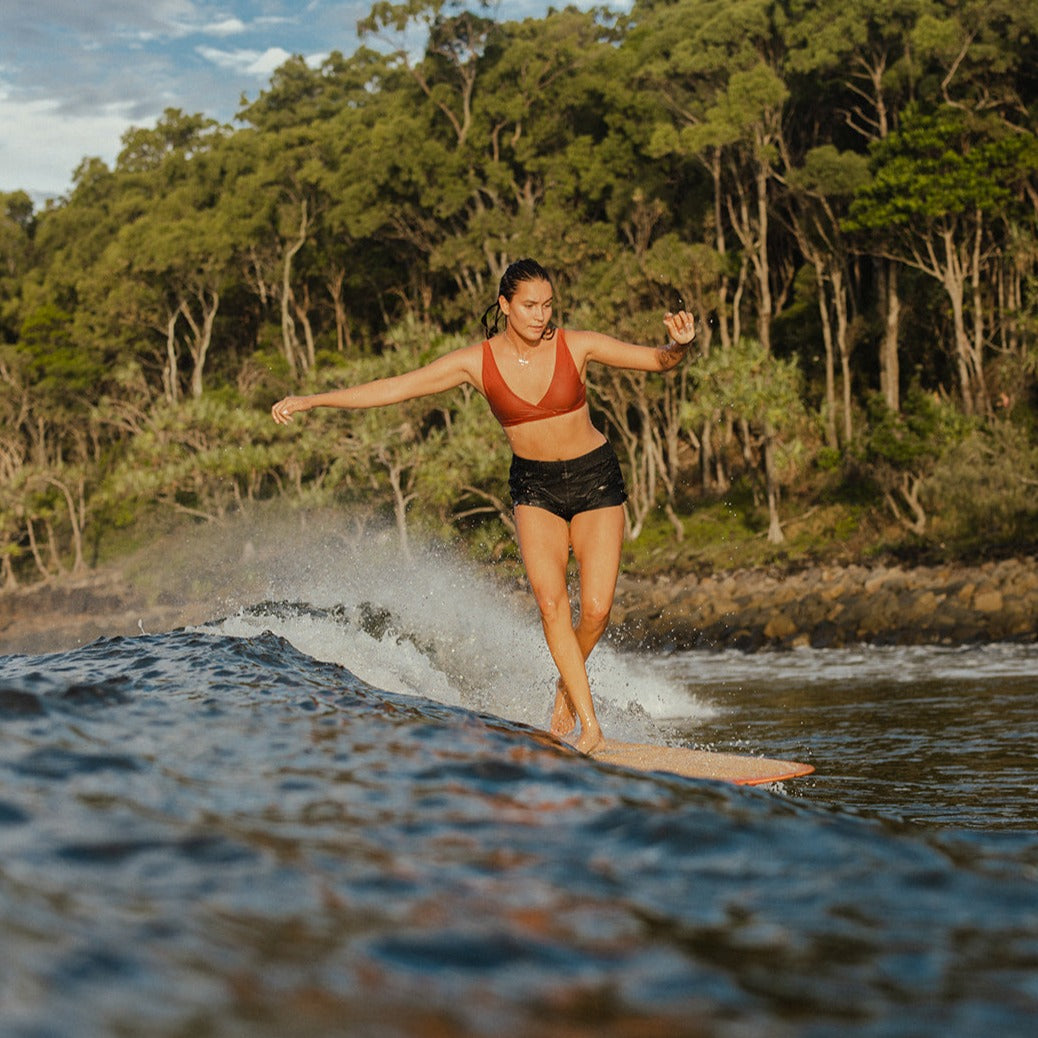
617,354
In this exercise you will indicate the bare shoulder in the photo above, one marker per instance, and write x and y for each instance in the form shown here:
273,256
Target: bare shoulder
470,360
581,344
463,361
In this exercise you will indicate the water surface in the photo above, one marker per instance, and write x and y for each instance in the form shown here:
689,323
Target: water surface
330,813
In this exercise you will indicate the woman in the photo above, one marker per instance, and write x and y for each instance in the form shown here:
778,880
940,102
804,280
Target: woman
565,481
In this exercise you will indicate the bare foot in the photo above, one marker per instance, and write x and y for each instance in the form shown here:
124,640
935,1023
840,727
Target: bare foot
563,718
590,741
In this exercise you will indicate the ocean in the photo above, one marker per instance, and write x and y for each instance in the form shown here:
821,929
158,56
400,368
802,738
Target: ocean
331,810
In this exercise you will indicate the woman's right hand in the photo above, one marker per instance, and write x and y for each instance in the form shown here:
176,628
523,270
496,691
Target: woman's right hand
283,410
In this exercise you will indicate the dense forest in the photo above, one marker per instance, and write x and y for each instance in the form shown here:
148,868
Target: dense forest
846,196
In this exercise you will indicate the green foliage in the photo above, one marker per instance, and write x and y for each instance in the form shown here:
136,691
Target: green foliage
204,457
984,489
62,370
738,156
917,436
749,382
901,451
939,165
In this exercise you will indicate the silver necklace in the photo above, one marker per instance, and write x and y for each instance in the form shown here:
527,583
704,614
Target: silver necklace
520,359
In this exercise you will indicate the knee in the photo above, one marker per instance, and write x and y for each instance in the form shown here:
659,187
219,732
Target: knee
553,608
594,613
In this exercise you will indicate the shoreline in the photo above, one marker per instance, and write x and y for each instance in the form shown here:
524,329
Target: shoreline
825,606
830,606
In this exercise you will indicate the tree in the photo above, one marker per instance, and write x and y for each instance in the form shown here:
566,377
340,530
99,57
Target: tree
902,450
757,387
717,66
17,224
938,199
863,57
819,194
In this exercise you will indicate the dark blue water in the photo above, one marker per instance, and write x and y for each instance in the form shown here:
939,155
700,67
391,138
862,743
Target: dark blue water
224,831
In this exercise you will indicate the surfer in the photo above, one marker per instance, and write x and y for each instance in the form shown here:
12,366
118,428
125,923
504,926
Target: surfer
565,481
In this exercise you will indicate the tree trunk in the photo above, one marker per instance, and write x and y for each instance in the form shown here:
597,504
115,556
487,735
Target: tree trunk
35,549
302,312
844,347
289,339
889,363
706,448
722,250
170,375
78,562
831,438
10,578
203,337
762,261
980,389
775,534
335,283
954,286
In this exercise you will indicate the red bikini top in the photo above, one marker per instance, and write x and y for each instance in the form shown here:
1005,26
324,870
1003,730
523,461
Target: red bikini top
566,392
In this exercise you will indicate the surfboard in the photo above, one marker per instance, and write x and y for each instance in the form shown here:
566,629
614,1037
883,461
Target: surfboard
701,764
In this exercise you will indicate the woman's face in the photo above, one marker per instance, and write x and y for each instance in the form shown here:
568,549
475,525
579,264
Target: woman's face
529,309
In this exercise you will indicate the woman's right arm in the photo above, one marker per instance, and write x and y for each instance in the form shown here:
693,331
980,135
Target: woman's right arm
445,372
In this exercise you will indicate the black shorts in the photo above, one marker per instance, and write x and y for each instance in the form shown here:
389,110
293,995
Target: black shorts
566,488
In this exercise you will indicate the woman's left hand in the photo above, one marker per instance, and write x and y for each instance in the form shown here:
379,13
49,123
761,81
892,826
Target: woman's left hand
681,326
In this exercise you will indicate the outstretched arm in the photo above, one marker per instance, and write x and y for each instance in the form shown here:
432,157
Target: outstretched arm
607,350
443,373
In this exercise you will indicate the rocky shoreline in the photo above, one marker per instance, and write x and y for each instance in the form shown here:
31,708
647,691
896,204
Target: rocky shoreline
55,617
829,607
750,610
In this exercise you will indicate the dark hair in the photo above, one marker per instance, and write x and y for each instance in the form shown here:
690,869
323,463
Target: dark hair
515,274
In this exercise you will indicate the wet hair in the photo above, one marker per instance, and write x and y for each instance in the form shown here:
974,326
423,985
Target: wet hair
515,274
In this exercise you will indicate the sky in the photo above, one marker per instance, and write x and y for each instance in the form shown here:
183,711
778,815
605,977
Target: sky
76,74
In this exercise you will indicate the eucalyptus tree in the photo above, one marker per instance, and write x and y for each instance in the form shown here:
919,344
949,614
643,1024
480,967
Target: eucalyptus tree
717,66
166,270
980,57
761,389
64,360
426,133
492,143
860,60
942,188
59,360
359,256
17,224
280,193
16,229
819,194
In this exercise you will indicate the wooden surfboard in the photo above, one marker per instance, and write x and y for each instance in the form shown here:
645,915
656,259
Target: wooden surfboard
703,764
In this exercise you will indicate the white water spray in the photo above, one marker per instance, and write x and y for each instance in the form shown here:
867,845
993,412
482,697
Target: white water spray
432,624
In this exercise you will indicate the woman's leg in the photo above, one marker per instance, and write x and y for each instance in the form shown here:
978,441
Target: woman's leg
597,539
544,540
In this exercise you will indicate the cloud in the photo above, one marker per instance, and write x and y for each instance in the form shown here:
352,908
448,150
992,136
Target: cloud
227,27
75,75
41,145
248,62
29,22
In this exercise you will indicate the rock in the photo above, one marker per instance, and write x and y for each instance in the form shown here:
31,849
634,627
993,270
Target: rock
923,606
779,627
988,601
965,592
